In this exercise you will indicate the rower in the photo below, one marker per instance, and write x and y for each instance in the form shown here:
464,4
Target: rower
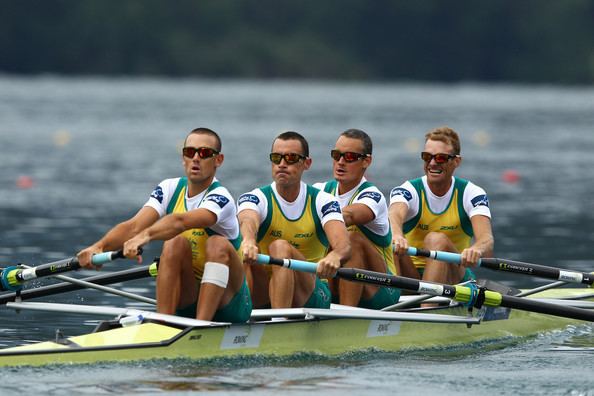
365,213
200,272
440,212
290,219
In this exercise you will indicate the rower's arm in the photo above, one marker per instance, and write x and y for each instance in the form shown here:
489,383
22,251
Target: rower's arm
357,213
168,227
483,241
249,222
397,213
340,245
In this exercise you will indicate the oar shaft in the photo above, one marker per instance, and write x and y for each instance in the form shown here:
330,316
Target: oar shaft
12,278
505,265
69,264
103,279
527,304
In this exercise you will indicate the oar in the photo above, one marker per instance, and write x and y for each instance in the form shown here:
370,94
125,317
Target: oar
464,294
102,279
13,278
505,265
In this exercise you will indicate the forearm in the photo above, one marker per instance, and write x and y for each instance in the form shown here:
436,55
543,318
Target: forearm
396,215
115,238
485,245
342,252
340,242
166,228
248,227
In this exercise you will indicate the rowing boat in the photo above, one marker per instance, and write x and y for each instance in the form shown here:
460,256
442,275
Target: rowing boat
283,332
460,315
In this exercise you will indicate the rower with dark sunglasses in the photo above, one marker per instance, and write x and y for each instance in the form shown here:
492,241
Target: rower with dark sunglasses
290,219
200,272
365,213
440,212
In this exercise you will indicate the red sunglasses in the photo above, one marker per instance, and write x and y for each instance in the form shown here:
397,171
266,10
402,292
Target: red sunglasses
349,156
203,152
440,158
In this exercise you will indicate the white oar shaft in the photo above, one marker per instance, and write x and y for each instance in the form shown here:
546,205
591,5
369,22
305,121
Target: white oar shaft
541,288
106,289
110,311
408,303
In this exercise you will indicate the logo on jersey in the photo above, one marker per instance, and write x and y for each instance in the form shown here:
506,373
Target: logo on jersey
401,191
480,200
248,198
371,194
331,207
158,194
220,200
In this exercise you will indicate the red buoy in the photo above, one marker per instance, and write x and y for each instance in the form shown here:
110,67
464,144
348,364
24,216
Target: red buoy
510,176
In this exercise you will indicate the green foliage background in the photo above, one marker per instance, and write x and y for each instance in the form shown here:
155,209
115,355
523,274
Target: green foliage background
537,41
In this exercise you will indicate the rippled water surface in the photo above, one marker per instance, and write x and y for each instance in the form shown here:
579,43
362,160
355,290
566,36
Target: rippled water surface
79,155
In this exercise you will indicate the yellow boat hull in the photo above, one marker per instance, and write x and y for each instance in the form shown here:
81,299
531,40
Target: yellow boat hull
330,337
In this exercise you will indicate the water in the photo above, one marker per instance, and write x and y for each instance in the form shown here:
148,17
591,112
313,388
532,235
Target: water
94,149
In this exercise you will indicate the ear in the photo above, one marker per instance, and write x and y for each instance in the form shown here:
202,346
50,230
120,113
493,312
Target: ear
367,161
307,163
219,159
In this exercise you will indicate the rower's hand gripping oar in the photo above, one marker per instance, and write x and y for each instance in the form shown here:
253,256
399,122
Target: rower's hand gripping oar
13,278
475,296
504,265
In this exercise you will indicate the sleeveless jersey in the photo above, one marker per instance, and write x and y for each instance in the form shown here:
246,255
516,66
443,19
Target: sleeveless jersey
305,233
453,221
196,236
382,243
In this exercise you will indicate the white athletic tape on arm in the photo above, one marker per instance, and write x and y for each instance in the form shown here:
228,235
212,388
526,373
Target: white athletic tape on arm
216,273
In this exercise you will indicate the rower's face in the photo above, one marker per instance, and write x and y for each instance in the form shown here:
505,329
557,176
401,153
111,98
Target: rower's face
285,174
200,169
439,172
349,172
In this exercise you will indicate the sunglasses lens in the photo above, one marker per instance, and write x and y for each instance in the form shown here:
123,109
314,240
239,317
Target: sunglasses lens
205,152
189,152
276,158
441,158
350,156
335,154
292,158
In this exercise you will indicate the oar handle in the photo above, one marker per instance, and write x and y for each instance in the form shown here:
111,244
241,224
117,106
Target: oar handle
297,265
449,257
505,265
106,257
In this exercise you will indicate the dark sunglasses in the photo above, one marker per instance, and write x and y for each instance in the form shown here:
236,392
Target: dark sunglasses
440,158
290,158
349,156
203,152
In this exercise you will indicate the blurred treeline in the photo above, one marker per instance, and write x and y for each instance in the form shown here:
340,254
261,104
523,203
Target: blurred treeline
538,41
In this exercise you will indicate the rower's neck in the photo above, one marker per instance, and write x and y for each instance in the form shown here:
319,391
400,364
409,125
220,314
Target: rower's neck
197,188
289,193
441,188
344,188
